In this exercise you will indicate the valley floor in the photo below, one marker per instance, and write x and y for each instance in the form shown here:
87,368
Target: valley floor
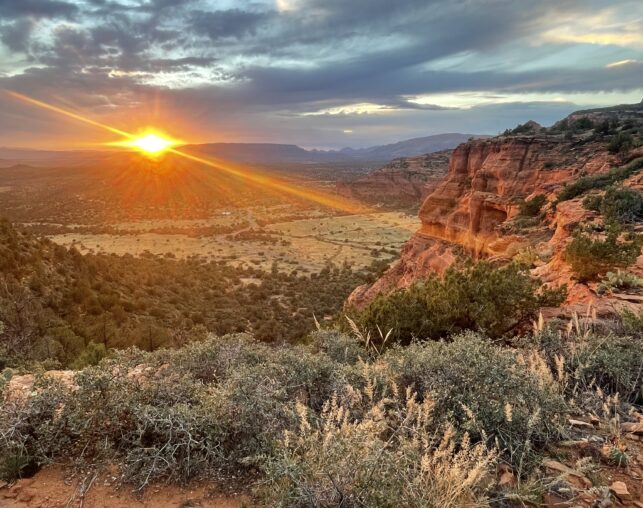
304,244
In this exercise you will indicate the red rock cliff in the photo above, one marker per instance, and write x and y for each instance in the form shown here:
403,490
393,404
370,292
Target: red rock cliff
470,212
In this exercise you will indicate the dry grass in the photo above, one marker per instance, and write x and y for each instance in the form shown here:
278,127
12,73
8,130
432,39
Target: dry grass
393,449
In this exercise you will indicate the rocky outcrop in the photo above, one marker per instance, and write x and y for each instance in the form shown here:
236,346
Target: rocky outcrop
473,210
402,183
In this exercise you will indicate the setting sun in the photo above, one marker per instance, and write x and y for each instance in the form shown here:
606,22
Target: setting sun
150,144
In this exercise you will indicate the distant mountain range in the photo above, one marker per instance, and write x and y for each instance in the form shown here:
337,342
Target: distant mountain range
270,153
410,147
258,153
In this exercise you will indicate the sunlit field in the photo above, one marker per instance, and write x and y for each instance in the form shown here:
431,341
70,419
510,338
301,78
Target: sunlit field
306,244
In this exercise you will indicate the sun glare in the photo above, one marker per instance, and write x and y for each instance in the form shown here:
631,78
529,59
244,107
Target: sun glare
151,144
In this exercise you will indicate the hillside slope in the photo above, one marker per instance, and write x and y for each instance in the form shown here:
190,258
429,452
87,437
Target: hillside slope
57,305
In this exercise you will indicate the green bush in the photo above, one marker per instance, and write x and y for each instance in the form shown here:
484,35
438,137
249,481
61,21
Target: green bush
340,347
532,207
632,323
614,175
613,363
583,124
619,281
622,205
593,202
478,297
92,355
591,258
621,143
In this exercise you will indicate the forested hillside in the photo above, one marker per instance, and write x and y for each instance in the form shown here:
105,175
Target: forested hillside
60,306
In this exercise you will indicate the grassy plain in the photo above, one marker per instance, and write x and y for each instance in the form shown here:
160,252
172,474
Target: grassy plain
306,244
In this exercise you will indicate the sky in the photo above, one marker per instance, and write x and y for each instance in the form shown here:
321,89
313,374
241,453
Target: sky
317,73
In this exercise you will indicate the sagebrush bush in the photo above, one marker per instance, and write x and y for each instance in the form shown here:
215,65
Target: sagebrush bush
620,143
412,426
532,207
484,389
615,364
620,205
340,347
620,280
589,360
633,323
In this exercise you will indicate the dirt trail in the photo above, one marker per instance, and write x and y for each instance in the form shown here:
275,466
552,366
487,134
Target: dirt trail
49,489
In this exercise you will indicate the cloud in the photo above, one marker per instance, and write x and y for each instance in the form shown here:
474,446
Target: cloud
229,23
310,69
37,8
16,35
627,61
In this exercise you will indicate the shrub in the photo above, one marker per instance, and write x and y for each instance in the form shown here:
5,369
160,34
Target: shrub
591,258
622,205
391,456
582,124
593,202
613,363
611,360
621,143
478,297
92,355
614,175
325,423
532,207
633,323
340,347
483,389
604,127
30,433
172,443
619,280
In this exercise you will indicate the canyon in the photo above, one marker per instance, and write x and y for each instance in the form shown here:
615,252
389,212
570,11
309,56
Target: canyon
474,209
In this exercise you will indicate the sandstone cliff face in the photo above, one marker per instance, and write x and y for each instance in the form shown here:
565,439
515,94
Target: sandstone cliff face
471,210
402,183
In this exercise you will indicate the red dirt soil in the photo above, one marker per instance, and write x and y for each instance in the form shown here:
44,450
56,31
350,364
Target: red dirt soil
50,488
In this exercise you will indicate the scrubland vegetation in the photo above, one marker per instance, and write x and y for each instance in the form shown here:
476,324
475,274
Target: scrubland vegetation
334,422
591,257
600,181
